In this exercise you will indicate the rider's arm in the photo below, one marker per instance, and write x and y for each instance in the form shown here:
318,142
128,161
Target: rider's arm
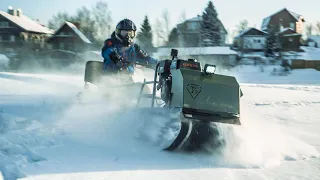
109,54
144,57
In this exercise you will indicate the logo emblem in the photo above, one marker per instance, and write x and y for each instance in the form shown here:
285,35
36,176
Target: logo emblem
194,90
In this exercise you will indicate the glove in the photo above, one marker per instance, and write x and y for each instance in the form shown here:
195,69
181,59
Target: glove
140,52
115,57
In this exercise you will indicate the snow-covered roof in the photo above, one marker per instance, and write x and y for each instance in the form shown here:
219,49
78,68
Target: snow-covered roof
197,18
285,29
218,50
266,20
247,30
78,32
26,23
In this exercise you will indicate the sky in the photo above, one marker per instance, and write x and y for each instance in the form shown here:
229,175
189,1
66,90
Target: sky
230,12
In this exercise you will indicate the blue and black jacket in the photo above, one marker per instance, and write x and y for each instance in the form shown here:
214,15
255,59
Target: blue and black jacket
131,54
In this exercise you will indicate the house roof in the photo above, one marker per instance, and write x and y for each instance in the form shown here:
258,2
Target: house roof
266,20
199,18
78,32
216,50
26,23
247,31
75,30
289,32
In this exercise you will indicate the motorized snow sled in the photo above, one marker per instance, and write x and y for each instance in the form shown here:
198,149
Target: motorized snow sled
193,96
197,98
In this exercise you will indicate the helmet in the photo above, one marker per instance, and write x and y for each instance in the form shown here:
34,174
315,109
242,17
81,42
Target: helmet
126,31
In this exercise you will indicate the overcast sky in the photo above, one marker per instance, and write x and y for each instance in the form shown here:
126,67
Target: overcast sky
230,11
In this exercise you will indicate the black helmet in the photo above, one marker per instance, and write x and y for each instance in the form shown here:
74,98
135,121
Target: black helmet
126,31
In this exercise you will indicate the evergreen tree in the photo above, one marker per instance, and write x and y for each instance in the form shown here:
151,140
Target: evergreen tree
210,26
173,39
272,41
145,36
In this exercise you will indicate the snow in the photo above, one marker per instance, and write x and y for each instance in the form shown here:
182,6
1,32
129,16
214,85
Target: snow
46,134
26,23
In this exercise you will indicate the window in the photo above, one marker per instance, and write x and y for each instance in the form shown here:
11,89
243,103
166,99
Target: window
61,45
12,38
192,26
292,26
4,24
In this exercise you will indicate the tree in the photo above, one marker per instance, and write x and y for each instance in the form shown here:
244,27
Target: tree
86,22
210,26
272,41
183,28
103,21
162,28
58,20
317,28
309,29
173,39
94,23
145,36
243,25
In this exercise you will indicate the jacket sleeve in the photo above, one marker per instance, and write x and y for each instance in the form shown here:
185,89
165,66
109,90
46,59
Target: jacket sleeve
106,51
143,57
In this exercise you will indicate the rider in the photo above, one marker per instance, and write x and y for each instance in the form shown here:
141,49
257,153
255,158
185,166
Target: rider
119,50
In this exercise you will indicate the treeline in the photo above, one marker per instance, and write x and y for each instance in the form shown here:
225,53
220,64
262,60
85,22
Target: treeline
96,23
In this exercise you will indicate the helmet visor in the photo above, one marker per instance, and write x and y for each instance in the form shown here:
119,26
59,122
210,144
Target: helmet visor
129,33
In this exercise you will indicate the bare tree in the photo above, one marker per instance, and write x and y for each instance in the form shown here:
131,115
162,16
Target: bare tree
103,21
243,25
159,33
317,28
309,29
58,20
162,28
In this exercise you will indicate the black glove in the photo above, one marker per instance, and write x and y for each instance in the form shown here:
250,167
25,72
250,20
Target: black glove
115,57
140,52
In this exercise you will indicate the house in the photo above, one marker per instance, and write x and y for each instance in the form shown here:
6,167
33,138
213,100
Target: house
284,19
314,41
289,39
250,40
19,31
219,55
190,31
68,37
289,27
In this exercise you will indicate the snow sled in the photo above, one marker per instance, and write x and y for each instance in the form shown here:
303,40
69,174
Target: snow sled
197,98
193,96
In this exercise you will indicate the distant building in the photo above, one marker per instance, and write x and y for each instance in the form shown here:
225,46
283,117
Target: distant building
290,28
190,31
251,39
289,39
69,37
284,19
18,30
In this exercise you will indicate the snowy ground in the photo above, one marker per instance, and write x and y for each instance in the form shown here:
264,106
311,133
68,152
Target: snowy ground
45,134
